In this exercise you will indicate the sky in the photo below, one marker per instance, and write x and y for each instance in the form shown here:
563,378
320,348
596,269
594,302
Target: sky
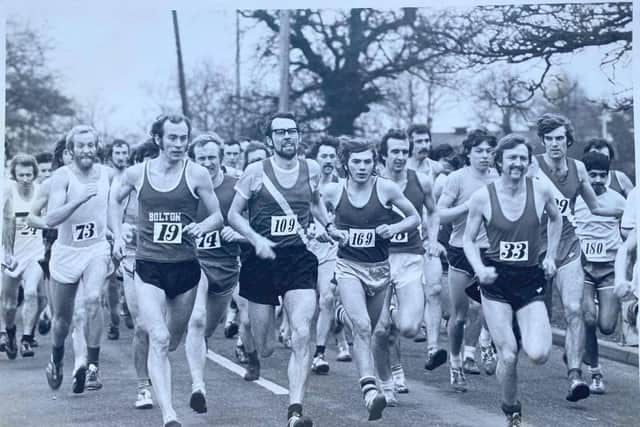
109,56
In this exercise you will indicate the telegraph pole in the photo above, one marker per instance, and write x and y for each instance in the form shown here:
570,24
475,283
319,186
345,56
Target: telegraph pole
283,102
181,80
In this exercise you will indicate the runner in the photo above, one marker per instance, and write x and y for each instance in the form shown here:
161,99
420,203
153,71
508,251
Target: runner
407,260
420,136
77,206
232,154
27,251
363,216
600,239
324,152
568,179
45,169
628,221
453,206
617,180
281,195
218,253
511,279
167,272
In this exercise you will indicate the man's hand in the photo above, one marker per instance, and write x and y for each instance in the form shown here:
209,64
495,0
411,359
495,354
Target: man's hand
486,275
549,267
117,252
90,190
623,288
434,249
264,248
340,236
129,233
228,234
193,230
385,231
10,265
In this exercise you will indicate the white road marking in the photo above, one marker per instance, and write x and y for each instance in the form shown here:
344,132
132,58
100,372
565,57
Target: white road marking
239,370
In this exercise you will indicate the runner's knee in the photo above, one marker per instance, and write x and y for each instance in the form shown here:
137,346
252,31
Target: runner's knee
361,325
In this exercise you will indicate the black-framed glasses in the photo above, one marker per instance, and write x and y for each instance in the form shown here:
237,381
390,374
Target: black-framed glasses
283,132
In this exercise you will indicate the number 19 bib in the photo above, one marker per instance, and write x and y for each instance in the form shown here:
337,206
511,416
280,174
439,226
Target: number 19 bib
167,232
285,225
514,251
362,237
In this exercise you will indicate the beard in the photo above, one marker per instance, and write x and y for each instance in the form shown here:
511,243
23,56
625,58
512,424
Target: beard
286,154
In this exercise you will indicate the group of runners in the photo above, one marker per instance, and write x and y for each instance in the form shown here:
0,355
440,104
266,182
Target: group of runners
354,241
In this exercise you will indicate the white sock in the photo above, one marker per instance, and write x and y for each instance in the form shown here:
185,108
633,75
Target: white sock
469,352
455,360
485,337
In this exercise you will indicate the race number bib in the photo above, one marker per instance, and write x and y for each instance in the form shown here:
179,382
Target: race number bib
86,231
362,238
400,238
594,250
22,228
286,225
209,241
514,251
167,232
563,206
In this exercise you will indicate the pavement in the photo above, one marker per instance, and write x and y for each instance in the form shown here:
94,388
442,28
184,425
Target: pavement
331,400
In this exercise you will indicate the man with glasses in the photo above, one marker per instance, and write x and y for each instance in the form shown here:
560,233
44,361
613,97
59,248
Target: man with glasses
420,136
281,194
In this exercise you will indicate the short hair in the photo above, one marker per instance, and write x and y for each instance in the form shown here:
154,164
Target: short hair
147,148
476,137
23,159
44,157
157,128
509,142
203,139
596,161
233,142
599,143
418,128
442,151
79,130
254,146
279,115
395,134
58,153
549,122
349,146
329,141
117,143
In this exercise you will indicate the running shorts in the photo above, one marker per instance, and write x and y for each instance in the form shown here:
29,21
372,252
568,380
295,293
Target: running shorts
325,252
568,251
263,280
516,286
599,274
374,276
406,269
458,260
174,278
222,275
68,263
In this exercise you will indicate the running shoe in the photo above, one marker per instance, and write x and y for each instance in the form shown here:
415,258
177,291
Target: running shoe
457,379
421,336
297,420
230,329
79,379
343,354
114,332
597,384
390,397
514,420
25,349
578,390
54,374
253,372
319,365
241,355
375,406
44,324
4,341
33,342
435,358
93,378
12,348
469,366
489,359
399,385
197,402
173,423
144,401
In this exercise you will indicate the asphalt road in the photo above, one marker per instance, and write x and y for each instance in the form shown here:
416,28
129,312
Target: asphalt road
332,400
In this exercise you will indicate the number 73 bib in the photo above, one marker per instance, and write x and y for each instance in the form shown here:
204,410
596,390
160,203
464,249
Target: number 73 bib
514,251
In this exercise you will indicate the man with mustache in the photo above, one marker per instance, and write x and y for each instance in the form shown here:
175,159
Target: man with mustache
453,207
568,179
510,274
325,152
78,201
600,239
407,259
420,136
617,180
281,194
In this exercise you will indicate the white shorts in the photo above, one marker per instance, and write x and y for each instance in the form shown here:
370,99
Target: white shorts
69,263
325,252
406,269
26,255
374,276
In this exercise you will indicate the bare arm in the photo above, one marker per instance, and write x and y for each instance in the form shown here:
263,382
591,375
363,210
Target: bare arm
432,216
554,225
121,187
203,188
58,211
472,228
8,226
623,285
624,181
35,218
395,196
239,222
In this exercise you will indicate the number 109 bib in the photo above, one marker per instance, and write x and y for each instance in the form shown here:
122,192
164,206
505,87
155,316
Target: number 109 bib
285,225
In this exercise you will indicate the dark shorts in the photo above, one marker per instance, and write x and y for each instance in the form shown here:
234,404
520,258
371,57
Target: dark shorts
568,251
263,280
598,274
458,260
516,286
174,278
222,275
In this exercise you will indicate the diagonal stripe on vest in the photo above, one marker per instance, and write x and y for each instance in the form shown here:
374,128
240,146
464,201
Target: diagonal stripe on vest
284,205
